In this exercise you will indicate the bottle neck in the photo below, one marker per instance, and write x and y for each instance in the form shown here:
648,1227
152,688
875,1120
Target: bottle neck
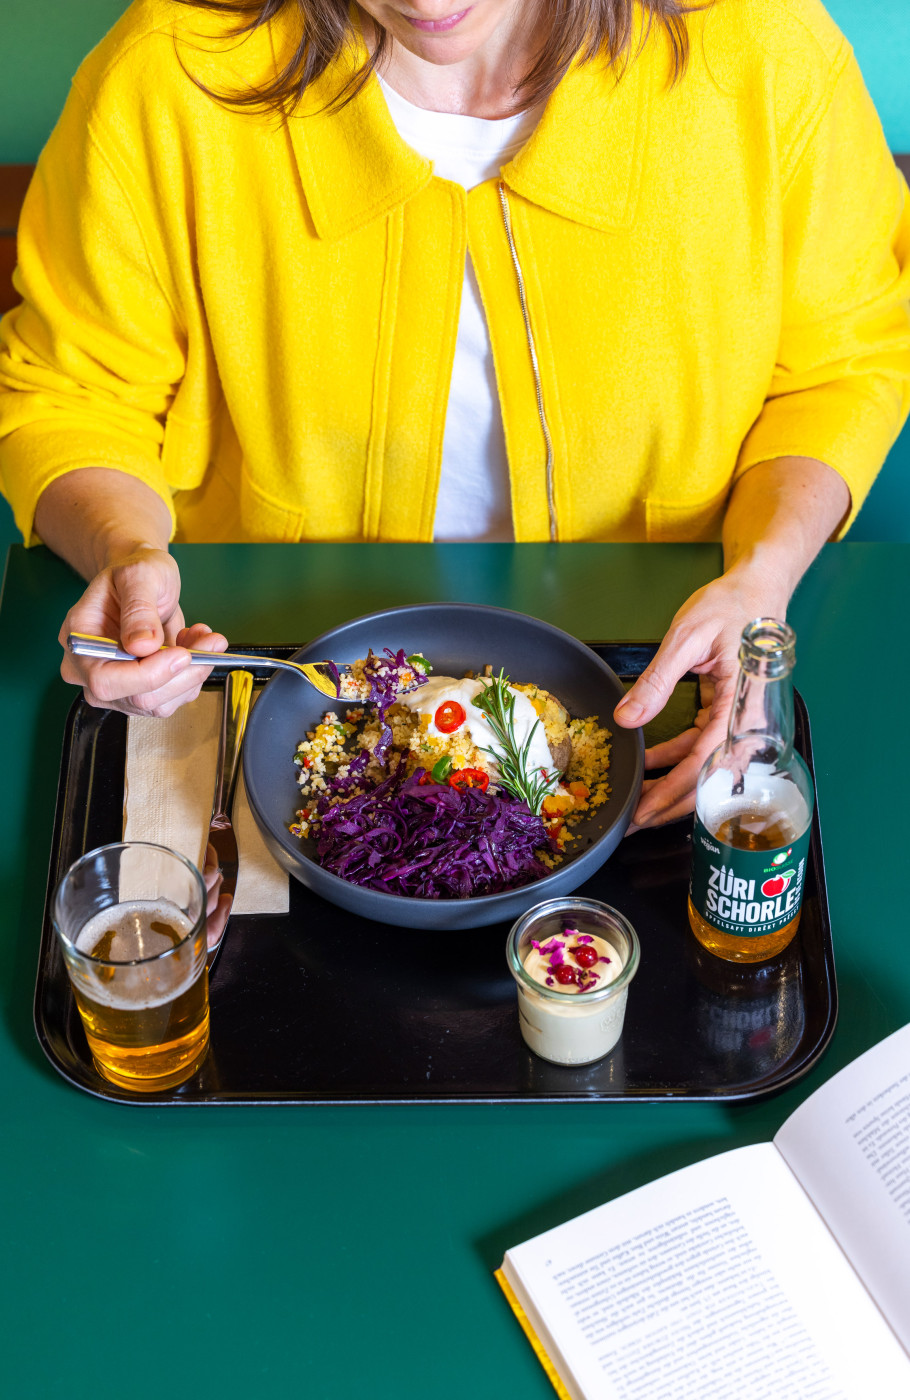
756,774
761,721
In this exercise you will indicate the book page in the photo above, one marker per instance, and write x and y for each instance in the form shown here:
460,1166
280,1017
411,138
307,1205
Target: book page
849,1145
718,1282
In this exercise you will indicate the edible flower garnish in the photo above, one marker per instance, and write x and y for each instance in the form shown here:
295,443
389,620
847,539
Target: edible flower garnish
497,702
561,971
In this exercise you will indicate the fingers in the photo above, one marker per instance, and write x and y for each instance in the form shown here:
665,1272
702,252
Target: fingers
671,751
151,685
147,587
133,602
684,807
201,638
673,796
668,798
155,686
669,811
703,638
212,878
218,904
137,601
649,694
687,646
110,681
216,923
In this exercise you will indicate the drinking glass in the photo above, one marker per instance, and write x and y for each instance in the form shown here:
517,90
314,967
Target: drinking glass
130,919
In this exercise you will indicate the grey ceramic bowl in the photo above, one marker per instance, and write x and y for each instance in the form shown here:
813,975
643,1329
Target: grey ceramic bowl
455,637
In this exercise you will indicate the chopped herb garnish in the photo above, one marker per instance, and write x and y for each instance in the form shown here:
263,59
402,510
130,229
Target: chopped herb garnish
497,702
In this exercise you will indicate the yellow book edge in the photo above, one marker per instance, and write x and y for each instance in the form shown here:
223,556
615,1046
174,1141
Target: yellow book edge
531,1335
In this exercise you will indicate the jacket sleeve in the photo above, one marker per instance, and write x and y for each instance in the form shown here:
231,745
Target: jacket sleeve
90,360
840,391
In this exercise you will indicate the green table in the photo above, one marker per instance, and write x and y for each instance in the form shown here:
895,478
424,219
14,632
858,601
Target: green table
346,1252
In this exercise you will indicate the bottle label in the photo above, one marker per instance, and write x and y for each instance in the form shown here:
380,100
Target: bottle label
747,893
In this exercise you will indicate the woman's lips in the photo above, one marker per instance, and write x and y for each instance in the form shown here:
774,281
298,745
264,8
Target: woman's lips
438,26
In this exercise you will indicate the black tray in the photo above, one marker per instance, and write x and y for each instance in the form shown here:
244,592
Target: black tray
433,1018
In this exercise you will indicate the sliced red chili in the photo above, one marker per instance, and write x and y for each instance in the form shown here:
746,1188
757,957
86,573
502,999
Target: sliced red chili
470,778
449,717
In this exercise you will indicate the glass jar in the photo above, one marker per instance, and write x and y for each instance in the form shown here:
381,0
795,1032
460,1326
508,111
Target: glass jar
563,1023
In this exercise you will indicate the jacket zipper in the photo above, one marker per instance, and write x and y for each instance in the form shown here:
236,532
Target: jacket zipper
507,219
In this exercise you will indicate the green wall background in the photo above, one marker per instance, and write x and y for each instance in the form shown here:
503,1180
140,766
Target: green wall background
43,41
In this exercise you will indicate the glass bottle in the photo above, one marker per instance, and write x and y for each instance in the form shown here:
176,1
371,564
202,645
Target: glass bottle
753,811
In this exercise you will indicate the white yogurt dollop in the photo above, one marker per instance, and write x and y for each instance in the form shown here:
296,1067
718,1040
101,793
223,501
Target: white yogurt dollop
427,699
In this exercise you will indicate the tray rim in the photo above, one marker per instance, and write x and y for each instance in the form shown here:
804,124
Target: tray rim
93,1084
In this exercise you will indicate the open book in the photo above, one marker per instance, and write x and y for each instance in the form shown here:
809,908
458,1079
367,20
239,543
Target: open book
774,1272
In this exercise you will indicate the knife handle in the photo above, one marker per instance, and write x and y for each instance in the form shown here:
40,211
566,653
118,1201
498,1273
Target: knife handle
238,692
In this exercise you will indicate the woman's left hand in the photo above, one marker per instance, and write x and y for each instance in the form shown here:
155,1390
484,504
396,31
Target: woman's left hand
703,637
779,515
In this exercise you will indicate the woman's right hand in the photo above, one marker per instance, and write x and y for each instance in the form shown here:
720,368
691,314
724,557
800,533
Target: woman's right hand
136,601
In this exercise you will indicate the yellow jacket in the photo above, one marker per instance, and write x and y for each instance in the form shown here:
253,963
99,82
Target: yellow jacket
257,318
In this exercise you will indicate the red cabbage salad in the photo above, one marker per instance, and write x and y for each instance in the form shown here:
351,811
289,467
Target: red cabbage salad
401,795
430,841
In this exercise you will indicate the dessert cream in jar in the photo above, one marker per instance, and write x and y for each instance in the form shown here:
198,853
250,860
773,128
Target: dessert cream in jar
572,960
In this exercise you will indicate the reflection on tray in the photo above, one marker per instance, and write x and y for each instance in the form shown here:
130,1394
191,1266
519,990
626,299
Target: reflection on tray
748,1019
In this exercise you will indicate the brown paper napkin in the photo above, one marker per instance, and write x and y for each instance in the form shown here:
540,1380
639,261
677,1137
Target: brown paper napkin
170,782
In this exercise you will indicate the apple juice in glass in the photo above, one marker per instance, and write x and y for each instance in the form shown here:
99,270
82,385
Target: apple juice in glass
753,811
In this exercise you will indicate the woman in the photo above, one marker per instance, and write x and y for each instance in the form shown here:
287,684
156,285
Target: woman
654,286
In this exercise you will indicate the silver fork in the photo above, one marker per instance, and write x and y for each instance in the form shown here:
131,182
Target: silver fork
318,673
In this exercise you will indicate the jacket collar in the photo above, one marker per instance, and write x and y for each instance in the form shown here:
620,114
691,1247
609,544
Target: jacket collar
353,165
584,158
582,162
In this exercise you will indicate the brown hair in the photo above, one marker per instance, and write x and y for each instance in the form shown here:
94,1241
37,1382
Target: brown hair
579,28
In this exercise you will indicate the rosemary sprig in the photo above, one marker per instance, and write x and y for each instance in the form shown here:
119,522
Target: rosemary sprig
498,704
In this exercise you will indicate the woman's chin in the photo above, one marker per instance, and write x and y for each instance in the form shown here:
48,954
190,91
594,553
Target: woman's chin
442,48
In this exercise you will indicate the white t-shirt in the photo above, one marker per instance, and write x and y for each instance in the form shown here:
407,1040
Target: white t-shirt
474,501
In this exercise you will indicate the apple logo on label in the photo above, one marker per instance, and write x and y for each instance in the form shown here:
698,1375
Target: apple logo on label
777,884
